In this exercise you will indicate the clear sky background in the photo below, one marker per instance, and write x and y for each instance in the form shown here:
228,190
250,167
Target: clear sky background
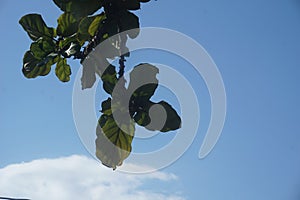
256,46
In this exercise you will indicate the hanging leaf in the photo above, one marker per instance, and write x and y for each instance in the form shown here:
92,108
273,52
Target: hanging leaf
170,122
96,24
35,27
109,78
113,144
63,70
67,25
79,8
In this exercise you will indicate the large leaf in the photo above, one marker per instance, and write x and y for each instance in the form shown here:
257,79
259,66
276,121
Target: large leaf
33,67
67,25
79,8
63,70
36,28
130,21
143,82
162,121
113,144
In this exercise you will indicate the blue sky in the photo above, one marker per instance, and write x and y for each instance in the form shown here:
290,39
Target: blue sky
256,46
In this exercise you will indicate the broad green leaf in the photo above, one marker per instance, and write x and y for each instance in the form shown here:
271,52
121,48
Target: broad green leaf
63,70
36,28
130,21
79,8
143,82
83,28
96,24
109,78
170,122
113,144
67,25
42,48
33,67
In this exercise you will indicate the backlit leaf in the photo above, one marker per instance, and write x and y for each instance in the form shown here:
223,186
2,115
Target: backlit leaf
63,70
113,144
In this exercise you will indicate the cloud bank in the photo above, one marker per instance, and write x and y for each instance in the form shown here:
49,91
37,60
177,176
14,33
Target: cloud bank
77,177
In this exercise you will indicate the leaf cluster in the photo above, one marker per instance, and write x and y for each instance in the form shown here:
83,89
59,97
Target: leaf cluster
80,28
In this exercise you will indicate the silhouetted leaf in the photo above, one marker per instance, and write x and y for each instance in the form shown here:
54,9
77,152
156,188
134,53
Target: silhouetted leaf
35,26
130,4
130,21
63,70
79,8
157,121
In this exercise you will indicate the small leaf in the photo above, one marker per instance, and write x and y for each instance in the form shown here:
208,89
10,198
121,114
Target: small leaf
36,28
79,8
106,107
113,144
109,78
63,70
96,24
67,25
173,120
130,21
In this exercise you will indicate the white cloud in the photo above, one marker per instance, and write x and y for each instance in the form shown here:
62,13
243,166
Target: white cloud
77,177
